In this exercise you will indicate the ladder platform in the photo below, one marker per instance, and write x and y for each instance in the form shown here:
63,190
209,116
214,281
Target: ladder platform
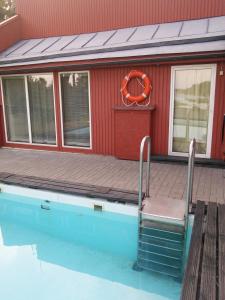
164,207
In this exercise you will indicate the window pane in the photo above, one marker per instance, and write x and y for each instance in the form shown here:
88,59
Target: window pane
75,108
41,101
15,109
191,109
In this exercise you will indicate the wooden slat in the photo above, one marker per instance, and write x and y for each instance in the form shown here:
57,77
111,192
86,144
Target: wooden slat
190,282
208,269
221,250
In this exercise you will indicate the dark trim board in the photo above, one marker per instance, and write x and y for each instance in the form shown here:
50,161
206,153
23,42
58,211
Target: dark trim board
204,277
203,162
91,191
109,63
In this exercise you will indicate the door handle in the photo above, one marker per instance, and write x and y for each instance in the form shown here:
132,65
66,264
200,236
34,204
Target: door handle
223,128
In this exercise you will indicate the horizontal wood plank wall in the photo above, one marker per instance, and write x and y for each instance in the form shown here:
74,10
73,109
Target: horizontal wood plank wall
70,17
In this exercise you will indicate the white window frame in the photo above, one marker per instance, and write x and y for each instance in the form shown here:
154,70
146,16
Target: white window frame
28,109
61,109
211,108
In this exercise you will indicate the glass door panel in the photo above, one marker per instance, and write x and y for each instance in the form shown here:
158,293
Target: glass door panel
41,104
192,92
15,109
75,109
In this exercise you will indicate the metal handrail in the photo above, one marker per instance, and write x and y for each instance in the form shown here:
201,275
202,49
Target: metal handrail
190,178
191,160
145,140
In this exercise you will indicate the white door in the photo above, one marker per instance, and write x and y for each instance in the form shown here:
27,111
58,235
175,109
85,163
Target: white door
191,109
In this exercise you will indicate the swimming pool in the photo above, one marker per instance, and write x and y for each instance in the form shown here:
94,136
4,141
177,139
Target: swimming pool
52,250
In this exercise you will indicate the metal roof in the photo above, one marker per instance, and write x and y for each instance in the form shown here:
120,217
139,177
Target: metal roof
178,37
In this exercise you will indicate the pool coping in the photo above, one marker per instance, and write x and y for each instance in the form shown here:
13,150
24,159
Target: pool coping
65,187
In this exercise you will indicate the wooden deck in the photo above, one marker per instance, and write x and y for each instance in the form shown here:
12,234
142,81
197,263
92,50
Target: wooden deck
168,180
204,277
111,179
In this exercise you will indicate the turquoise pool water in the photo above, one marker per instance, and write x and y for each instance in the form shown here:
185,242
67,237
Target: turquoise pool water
72,253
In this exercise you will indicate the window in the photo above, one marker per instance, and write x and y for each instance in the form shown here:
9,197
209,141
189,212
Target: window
192,104
75,109
29,109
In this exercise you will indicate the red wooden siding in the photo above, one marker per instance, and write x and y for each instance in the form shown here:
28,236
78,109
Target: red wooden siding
219,111
10,32
70,17
105,94
2,131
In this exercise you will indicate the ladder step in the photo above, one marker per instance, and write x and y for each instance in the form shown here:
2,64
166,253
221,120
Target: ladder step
166,234
158,258
163,269
159,263
175,228
176,253
161,241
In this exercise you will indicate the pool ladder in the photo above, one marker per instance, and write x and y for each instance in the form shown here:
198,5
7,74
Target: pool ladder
161,240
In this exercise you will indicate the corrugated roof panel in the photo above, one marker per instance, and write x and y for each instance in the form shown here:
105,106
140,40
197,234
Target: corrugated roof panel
80,41
25,47
183,35
43,45
170,49
11,49
168,30
217,24
143,33
100,39
194,27
121,36
61,43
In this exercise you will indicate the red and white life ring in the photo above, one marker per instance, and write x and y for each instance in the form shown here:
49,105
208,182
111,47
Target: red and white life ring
147,86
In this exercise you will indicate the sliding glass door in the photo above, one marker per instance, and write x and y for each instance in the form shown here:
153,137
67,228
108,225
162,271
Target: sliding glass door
75,109
41,102
15,109
29,109
192,101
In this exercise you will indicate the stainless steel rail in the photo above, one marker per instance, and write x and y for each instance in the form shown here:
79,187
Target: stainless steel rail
145,140
190,178
191,161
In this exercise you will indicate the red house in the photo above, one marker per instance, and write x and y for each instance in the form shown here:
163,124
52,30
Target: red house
62,64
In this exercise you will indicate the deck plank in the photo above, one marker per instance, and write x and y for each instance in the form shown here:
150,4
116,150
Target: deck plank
221,252
190,281
208,270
